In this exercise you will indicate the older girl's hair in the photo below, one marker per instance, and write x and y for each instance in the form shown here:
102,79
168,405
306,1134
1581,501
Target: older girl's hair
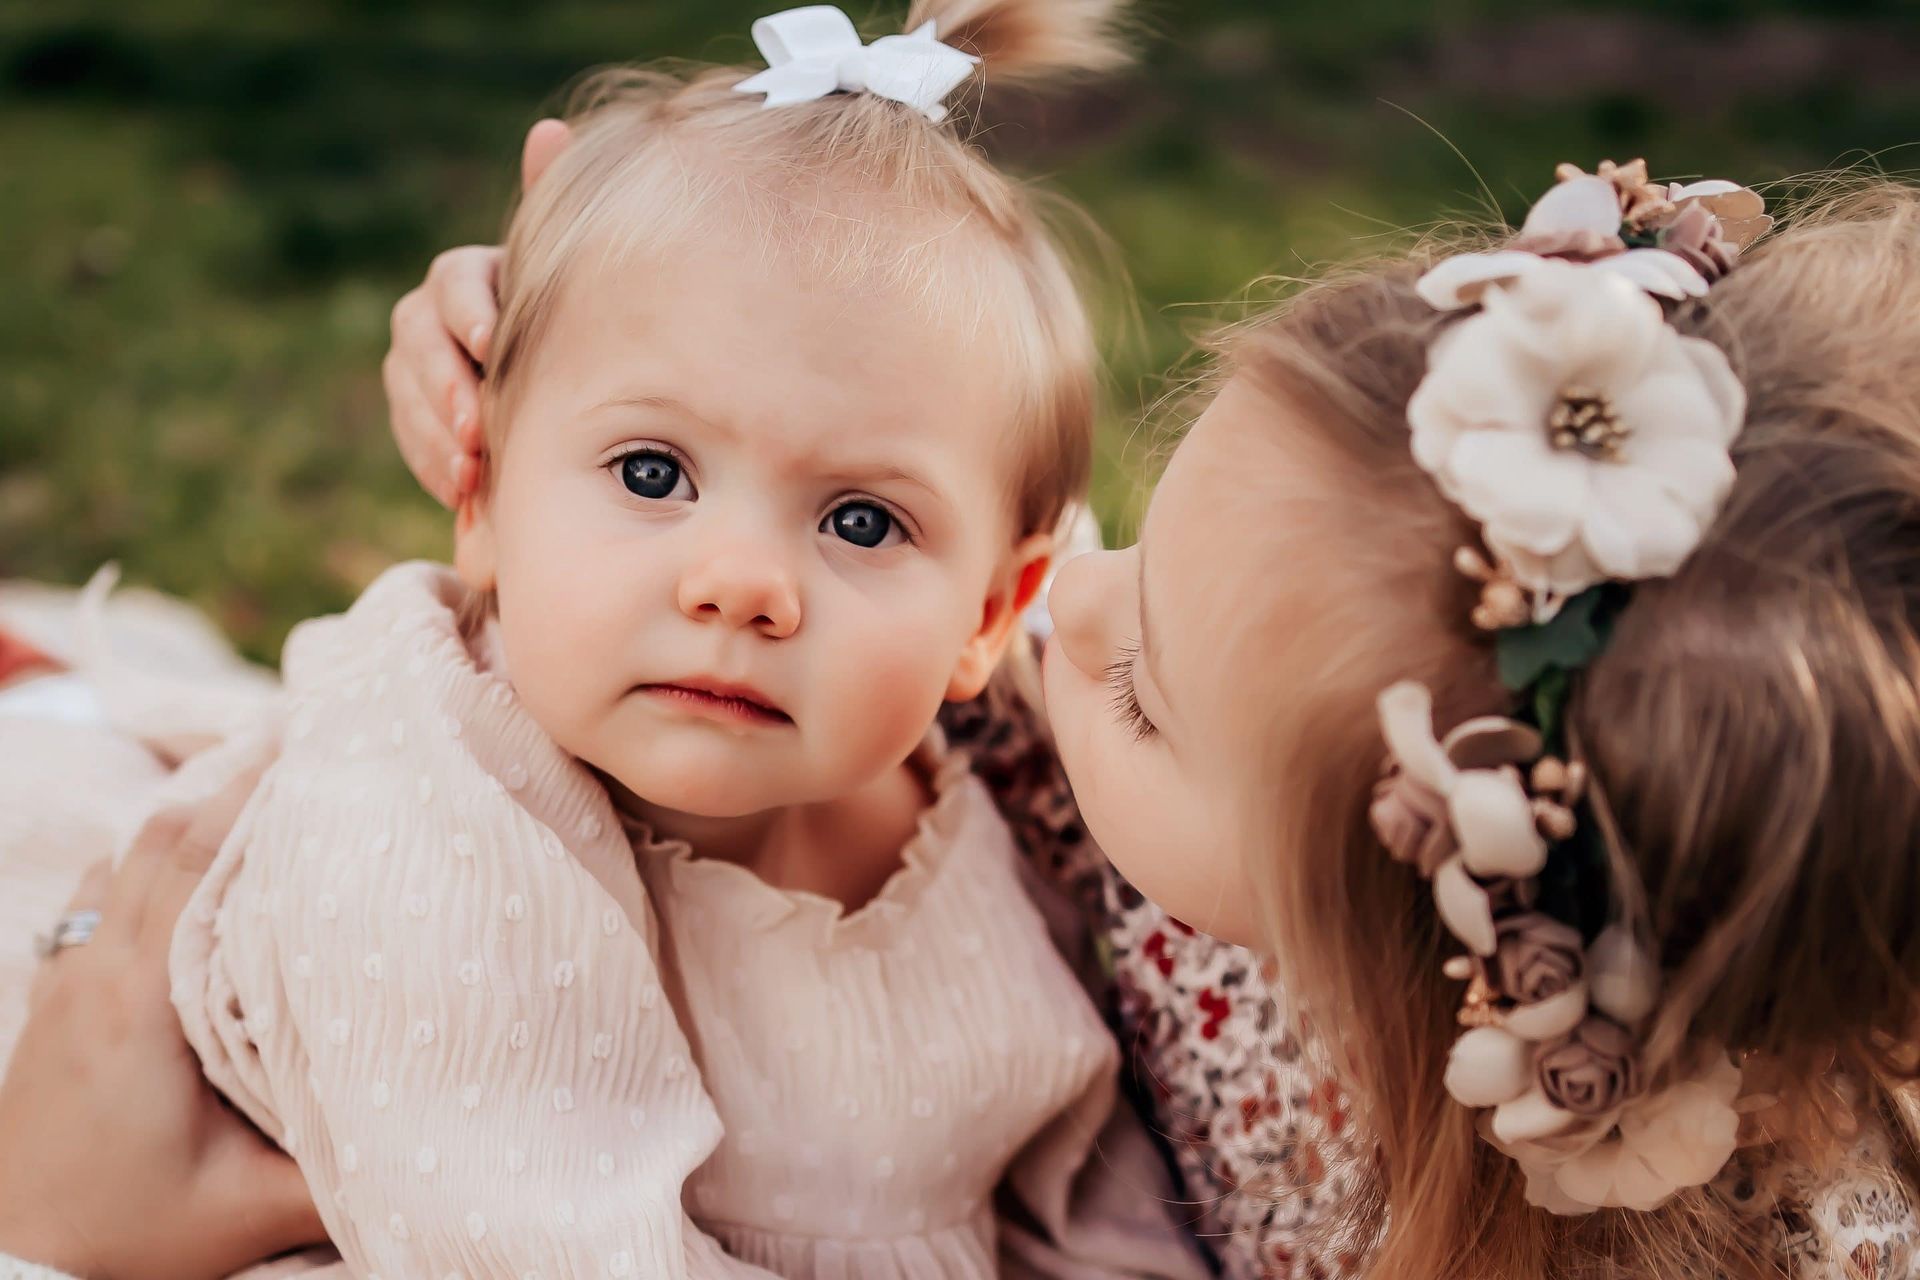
859,189
1753,726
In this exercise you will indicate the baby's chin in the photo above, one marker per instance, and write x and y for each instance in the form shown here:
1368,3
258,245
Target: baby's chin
695,793
699,770
706,782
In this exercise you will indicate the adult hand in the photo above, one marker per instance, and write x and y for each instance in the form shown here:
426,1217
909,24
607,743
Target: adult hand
117,1160
442,331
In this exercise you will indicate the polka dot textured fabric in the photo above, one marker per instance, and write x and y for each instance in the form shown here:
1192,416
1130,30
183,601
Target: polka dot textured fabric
516,1036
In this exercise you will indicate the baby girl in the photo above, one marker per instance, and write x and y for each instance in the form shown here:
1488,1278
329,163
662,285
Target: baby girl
610,905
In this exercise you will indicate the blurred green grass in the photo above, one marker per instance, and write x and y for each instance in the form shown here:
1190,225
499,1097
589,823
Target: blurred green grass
207,210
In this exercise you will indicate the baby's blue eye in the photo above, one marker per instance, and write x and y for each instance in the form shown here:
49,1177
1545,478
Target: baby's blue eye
651,474
861,523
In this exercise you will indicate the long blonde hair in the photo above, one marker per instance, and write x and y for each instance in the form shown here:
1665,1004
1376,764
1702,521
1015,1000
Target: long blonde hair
860,189
1754,725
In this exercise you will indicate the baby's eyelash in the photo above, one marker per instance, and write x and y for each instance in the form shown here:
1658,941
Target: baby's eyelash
1125,701
625,451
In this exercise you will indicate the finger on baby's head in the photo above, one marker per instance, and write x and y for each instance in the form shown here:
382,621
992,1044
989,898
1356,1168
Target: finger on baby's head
461,288
545,141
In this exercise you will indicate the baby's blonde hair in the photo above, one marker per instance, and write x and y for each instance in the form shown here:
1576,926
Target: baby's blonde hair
859,190
1753,728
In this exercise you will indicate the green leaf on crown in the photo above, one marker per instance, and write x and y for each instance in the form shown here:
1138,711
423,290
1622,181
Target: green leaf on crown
1537,662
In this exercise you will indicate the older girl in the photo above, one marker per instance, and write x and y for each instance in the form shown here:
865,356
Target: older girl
1576,578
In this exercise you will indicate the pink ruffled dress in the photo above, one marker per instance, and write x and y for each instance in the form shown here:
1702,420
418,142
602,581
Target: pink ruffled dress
504,1038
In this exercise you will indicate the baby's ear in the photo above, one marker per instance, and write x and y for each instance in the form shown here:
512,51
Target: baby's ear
1018,584
474,553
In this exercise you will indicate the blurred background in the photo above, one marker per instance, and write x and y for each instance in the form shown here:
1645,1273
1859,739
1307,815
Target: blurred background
207,209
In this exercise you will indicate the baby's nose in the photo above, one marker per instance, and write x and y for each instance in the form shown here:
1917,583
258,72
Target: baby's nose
743,590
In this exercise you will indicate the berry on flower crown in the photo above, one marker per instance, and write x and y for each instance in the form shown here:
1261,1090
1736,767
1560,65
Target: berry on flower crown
1589,440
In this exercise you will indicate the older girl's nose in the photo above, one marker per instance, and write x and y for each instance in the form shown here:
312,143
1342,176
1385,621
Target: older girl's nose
1092,604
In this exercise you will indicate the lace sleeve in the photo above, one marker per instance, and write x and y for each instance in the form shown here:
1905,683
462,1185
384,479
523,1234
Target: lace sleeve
1854,1222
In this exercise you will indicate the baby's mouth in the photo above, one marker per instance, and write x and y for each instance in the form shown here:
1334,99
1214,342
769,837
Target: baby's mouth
720,699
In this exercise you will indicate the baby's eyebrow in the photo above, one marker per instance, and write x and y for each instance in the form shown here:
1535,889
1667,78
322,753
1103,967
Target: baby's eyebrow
877,472
666,404
885,473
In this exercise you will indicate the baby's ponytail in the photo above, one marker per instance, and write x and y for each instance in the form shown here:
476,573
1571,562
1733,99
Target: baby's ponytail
1031,42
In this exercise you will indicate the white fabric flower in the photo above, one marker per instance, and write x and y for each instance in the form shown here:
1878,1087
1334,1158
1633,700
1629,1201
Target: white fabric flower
1623,978
1493,818
1543,1192
1566,518
1679,191
1527,1119
1464,907
1741,213
1583,209
1680,1137
1489,1066
1489,810
1554,1016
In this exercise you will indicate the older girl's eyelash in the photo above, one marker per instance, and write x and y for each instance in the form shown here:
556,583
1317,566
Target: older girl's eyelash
1126,702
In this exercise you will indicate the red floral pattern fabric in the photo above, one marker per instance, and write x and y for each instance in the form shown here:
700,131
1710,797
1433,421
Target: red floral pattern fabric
1261,1130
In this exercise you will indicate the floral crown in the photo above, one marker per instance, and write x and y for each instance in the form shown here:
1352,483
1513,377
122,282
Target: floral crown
1590,442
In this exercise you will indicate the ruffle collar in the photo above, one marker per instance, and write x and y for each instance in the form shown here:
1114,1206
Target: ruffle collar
753,903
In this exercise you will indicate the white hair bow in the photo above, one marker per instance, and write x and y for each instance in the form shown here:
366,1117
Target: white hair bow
813,51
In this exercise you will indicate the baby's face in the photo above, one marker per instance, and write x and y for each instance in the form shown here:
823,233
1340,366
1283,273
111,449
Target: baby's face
747,532
1166,678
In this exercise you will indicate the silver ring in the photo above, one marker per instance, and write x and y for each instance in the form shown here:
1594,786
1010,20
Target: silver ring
71,930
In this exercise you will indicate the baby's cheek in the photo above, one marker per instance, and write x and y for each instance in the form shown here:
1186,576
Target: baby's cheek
556,693
559,655
886,693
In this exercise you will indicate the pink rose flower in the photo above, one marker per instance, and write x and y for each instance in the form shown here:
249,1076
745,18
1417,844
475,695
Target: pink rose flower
1537,958
1410,818
1591,1070
1695,234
